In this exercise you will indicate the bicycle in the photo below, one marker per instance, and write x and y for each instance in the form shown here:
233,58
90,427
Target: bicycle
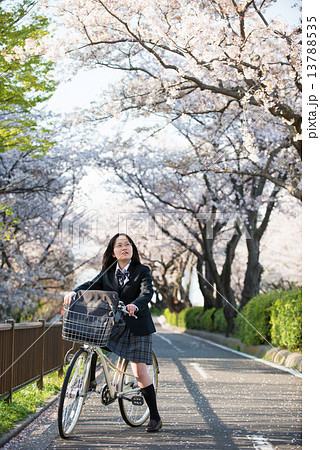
121,385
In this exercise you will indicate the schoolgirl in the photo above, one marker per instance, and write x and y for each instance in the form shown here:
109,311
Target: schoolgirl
123,272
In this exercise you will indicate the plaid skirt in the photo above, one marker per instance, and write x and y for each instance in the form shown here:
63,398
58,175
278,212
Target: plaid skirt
134,348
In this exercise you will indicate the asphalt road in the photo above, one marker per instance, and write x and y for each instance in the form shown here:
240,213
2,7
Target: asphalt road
211,398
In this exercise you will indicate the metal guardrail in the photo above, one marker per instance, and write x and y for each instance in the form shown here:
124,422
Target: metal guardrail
28,351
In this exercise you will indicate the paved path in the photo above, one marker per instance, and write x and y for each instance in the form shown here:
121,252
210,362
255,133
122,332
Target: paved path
211,399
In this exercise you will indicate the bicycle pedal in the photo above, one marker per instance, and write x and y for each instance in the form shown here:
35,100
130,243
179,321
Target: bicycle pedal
137,400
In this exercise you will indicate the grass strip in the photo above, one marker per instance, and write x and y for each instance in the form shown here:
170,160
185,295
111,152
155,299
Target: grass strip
26,400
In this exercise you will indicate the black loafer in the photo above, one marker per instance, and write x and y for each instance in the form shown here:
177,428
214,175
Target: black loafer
92,385
154,426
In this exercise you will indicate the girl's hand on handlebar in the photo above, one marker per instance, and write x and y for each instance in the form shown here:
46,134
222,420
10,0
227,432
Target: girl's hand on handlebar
131,308
68,297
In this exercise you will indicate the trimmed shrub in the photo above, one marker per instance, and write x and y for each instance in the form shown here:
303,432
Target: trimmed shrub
187,318
190,317
274,317
166,314
195,318
171,318
219,323
182,318
254,327
205,321
286,321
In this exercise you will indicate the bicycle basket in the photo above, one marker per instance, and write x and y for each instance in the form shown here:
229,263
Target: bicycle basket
89,318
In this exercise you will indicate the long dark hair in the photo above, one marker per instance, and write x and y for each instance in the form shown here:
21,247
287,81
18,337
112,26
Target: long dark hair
109,261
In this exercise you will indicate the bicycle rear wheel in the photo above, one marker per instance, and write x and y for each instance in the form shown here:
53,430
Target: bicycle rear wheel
73,393
133,413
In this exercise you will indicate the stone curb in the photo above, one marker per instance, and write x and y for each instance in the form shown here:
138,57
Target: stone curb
277,355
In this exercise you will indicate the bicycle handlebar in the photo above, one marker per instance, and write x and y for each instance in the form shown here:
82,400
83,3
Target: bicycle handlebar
122,307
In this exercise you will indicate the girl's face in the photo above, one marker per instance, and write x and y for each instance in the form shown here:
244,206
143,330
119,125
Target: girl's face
122,250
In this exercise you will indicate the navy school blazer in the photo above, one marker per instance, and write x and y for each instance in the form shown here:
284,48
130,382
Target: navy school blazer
138,290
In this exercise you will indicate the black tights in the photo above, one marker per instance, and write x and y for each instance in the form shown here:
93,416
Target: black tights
93,367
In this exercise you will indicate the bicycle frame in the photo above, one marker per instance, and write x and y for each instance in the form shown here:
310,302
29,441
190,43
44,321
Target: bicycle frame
112,380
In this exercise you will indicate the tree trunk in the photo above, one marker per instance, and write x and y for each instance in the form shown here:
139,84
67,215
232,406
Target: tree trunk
159,303
229,300
254,271
205,286
166,293
184,295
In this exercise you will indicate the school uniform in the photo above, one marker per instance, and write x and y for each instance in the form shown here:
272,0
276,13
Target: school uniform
132,338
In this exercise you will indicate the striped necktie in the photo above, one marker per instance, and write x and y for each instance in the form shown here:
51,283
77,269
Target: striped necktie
122,276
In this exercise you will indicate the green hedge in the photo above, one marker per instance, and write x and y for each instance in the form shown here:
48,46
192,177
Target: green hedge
171,317
220,323
194,318
191,318
274,317
253,324
286,321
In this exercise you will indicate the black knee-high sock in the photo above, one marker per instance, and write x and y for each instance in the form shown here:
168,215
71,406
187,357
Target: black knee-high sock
150,396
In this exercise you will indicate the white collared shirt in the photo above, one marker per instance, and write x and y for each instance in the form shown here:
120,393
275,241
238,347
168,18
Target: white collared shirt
127,278
123,270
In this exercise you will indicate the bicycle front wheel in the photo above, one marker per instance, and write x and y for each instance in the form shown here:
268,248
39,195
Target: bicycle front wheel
73,393
133,407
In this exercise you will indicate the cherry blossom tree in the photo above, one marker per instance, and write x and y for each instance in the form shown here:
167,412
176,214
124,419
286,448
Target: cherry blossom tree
229,81
168,263
31,260
25,85
200,57
251,190
204,212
